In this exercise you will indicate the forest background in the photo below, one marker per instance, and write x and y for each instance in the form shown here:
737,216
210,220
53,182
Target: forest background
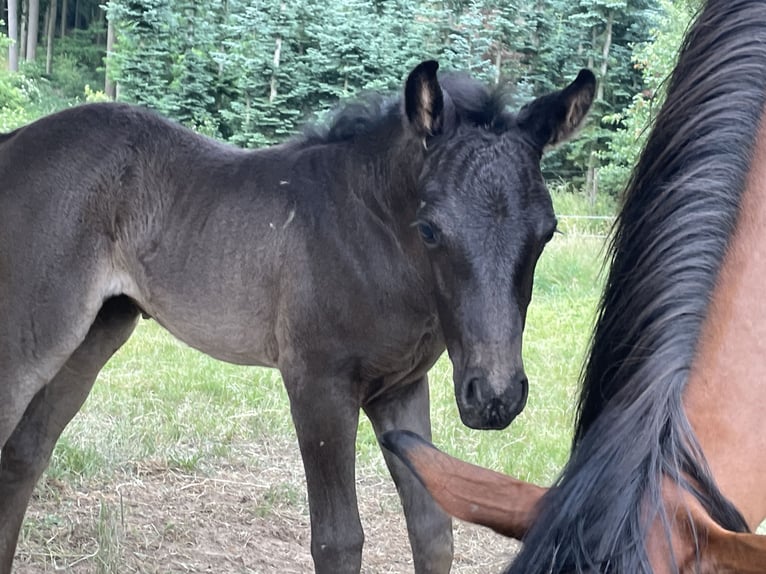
253,71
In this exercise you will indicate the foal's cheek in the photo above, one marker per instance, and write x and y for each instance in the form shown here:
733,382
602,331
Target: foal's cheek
447,307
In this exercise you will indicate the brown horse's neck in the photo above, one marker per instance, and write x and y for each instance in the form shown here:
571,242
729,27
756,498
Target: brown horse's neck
725,398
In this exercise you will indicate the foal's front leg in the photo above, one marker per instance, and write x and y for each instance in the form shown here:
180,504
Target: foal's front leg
326,414
430,529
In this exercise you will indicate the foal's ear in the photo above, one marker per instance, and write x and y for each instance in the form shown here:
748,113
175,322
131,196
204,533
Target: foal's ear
423,100
467,491
555,117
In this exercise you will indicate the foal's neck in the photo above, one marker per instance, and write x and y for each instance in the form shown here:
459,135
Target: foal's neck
383,172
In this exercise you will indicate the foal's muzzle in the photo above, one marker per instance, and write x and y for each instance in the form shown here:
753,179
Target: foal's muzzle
487,404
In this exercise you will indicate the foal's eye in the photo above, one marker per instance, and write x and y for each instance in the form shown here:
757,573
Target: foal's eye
428,233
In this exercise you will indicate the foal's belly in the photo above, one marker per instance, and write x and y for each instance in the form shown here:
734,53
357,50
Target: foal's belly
226,342
248,336
219,326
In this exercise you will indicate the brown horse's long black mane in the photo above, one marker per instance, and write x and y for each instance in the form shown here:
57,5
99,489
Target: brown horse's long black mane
680,209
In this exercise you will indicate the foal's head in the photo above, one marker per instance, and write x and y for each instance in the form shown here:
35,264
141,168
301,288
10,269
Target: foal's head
484,216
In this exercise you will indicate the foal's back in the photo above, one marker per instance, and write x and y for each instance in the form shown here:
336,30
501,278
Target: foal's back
222,246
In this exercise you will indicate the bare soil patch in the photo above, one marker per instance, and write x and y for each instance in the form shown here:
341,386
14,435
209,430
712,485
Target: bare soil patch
249,515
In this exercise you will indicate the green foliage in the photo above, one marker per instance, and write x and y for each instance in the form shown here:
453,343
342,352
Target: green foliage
77,62
12,96
92,95
588,33
17,97
655,60
146,52
5,41
252,71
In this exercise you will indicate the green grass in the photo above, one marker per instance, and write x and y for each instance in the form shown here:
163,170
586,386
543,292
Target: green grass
160,401
578,217
570,202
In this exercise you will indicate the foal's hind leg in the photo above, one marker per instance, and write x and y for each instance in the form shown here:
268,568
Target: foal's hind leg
27,452
430,529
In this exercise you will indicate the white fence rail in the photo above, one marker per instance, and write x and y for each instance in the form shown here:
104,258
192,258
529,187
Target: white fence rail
589,226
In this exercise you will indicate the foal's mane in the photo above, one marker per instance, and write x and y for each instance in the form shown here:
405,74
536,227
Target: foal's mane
474,102
680,209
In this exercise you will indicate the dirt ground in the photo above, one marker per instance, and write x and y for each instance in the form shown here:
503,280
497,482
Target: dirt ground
244,517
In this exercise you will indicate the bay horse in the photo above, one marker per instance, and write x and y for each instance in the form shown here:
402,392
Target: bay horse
667,471
348,258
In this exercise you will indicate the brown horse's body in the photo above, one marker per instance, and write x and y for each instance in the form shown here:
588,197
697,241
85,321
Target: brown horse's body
668,464
726,396
725,399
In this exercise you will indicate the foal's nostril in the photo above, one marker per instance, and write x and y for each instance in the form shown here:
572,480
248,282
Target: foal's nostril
472,391
519,392
524,383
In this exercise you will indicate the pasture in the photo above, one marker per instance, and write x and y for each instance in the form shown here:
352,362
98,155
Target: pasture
180,463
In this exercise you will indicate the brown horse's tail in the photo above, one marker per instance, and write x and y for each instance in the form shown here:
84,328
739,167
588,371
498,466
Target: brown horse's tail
467,491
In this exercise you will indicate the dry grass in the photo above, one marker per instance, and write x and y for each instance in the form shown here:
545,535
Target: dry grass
155,519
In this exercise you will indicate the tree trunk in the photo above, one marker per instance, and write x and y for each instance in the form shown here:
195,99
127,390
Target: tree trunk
109,87
34,23
277,54
536,31
498,61
605,55
592,177
277,57
594,185
51,33
13,35
76,13
23,31
535,41
62,31
46,17
99,17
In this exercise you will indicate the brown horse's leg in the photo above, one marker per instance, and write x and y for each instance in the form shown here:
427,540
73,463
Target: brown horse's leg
466,491
27,452
325,412
429,527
